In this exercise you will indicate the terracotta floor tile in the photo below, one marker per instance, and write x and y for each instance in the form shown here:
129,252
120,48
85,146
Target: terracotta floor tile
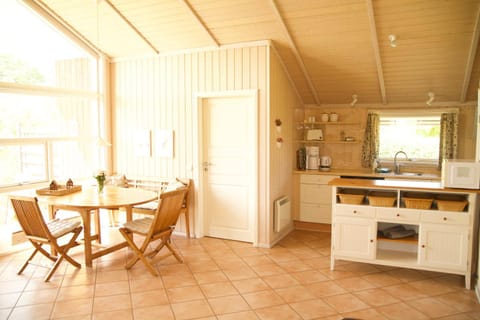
367,314
35,297
9,300
191,309
376,297
218,289
269,269
228,304
309,276
163,312
295,294
149,298
210,277
36,311
75,292
345,303
72,308
381,279
325,288
354,284
432,307
240,273
432,287
256,260
280,281
183,294
407,275
146,284
278,313
404,292
313,309
244,315
126,314
401,311
464,301
250,285
111,303
112,288
179,281
112,276
263,299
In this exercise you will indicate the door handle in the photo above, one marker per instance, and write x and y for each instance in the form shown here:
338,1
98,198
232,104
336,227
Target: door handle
205,165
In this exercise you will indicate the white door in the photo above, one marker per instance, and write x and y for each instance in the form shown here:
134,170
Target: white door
229,167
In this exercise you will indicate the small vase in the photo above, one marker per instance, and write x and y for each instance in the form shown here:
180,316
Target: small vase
101,185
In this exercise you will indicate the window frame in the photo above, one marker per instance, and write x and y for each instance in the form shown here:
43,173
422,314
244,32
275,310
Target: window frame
415,113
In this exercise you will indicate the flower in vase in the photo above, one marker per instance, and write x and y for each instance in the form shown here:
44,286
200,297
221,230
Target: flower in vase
100,177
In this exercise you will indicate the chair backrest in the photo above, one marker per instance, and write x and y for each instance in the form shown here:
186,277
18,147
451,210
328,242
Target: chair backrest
169,209
30,216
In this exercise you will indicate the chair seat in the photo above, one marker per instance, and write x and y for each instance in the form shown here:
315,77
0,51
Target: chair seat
59,227
139,225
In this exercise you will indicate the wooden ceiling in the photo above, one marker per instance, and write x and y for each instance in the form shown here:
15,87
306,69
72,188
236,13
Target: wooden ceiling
332,49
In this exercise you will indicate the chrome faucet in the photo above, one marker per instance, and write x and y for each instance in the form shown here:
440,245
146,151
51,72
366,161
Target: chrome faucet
396,166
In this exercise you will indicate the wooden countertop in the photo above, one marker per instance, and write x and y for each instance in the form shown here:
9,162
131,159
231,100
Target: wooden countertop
396,184
369,174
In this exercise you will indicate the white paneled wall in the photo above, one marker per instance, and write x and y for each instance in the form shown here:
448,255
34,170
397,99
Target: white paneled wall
160,93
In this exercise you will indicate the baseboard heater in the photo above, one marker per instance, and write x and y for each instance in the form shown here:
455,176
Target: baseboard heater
282,215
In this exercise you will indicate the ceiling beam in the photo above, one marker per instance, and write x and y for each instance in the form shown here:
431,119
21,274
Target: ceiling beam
471,57
200,21
129,24
296,52
376,50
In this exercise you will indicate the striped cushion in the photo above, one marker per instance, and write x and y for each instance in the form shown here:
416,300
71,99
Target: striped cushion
59,227
140,225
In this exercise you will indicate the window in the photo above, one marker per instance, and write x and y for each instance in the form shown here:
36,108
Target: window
52,115
417,136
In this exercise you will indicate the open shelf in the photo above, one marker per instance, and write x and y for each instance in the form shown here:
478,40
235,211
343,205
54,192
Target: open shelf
412,239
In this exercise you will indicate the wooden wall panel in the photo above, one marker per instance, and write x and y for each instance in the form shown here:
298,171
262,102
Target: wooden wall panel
283,100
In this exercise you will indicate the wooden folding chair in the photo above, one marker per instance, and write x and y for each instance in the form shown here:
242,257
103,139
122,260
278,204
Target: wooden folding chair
158,227
150,207
39,232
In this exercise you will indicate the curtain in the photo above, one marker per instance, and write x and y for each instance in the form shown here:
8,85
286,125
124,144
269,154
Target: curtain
371,140
448,137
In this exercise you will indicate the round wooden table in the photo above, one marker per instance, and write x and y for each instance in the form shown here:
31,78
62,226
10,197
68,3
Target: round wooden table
88,201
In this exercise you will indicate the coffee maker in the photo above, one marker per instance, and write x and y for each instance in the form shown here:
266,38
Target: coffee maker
313,158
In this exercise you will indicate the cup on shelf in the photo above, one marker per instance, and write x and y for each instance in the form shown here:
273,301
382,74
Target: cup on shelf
333,117
324,117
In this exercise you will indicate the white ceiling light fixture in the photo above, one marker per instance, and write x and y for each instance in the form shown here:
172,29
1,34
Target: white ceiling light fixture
431,97
393,40
355,99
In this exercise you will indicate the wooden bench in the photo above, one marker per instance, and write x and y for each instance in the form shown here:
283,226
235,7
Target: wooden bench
159,186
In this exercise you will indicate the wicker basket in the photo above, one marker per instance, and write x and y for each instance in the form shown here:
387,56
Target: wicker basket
351,198
381,200
418,203
447,205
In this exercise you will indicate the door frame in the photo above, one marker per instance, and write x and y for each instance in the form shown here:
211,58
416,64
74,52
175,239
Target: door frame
198,156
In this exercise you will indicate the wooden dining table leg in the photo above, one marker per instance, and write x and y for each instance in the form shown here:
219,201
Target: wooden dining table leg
87,236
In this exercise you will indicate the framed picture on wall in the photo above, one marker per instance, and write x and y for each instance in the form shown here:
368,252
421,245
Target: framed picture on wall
143,143
163,143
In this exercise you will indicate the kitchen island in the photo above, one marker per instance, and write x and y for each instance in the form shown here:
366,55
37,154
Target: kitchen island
405,223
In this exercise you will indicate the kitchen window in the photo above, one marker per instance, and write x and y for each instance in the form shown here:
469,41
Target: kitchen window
417,136
427,136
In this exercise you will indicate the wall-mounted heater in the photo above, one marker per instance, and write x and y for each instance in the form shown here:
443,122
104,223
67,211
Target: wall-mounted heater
282,215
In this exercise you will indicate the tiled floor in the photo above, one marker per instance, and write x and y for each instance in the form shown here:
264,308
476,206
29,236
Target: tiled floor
232,280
